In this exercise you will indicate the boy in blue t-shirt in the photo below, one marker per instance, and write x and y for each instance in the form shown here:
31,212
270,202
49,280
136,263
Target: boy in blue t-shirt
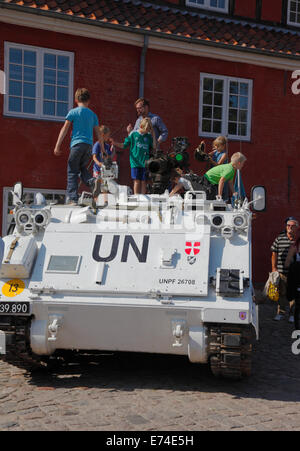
84,122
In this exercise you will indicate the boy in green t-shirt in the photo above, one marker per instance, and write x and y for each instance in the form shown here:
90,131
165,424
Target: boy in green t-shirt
214,179
140,143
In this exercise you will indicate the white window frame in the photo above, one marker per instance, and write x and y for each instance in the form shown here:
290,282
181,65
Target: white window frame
207,6
5,205
39,95
225,107
289,22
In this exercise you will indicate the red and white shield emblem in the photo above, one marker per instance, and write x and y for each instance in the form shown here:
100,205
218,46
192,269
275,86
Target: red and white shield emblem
192,247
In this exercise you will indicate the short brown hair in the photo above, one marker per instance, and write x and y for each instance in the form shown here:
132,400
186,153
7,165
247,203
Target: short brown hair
82,95
175,175
142,99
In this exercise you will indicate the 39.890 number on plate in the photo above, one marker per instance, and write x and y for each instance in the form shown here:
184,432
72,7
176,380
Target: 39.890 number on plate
15,308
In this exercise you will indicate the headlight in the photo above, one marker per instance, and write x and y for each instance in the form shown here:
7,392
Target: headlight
239,221
30,220
41,218
199,219
217,221
23,216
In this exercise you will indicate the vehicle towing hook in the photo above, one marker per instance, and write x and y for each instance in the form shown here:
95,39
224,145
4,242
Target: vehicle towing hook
178,332
55,323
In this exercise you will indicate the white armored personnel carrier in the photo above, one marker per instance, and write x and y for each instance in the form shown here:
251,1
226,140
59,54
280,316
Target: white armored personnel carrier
147,273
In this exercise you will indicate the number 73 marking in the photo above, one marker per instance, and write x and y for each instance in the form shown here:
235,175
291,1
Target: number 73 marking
13,287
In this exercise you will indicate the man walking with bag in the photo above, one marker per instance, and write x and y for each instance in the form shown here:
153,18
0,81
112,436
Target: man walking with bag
279,250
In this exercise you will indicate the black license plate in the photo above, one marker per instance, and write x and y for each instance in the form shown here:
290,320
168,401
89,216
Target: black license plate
14,308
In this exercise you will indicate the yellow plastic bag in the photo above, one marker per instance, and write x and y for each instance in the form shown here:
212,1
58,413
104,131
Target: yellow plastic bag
273,292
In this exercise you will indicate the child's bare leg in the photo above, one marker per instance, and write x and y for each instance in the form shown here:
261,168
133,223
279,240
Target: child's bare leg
137,186
143,187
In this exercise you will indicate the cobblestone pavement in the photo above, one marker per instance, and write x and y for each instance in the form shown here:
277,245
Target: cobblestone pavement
159,393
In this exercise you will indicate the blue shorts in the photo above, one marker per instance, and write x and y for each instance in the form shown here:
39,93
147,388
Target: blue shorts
138,173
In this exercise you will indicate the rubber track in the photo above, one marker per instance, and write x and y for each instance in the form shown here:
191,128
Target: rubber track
18,352
233,362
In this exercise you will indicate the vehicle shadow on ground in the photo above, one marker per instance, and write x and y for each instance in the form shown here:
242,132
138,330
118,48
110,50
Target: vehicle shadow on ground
275,370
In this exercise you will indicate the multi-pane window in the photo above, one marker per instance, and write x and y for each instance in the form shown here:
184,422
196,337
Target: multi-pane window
22,90
56,84
293,15
215,5
39,82
225,106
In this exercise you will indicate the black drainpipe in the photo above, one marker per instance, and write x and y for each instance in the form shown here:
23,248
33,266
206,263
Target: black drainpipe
142,66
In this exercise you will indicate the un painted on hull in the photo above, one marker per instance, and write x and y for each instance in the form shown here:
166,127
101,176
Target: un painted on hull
129,242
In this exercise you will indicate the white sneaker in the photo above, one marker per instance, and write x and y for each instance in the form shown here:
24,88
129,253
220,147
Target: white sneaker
278,317
291,319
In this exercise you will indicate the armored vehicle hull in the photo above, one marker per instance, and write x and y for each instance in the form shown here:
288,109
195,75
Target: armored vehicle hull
145,274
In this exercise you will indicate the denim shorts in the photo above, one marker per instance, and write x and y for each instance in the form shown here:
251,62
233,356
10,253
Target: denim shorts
138,173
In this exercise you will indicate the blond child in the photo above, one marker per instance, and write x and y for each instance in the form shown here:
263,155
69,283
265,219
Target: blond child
219,155
215,178
140,144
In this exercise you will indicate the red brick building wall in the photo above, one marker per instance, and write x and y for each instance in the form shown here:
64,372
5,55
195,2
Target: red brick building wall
108,70
245,9
271,10
111,72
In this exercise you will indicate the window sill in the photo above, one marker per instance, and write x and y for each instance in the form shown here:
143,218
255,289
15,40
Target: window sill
230,138
33,118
